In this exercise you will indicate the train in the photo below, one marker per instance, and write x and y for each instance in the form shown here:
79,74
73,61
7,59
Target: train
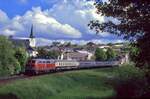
37,66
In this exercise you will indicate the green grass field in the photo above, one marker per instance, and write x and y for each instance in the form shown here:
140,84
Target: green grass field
83,84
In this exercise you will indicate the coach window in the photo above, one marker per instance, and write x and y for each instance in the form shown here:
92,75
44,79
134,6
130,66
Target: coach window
48,62
39,62
44,62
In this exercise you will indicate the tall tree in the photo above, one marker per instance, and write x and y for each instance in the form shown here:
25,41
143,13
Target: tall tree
133,21
53,54
90,44
111,54
56,43
8,63
68,44
100,54
42,53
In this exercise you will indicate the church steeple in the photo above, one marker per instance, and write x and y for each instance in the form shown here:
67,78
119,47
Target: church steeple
32,40
31,34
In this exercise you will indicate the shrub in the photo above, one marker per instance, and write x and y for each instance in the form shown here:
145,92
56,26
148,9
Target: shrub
7,59
130,82
21,56
17,68
111,54
100,54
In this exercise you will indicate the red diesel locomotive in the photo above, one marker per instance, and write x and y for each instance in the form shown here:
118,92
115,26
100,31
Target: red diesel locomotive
39,65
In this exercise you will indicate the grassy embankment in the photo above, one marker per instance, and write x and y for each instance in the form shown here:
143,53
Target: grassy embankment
83,84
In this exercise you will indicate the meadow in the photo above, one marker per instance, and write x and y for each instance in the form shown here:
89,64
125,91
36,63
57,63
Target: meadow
82,84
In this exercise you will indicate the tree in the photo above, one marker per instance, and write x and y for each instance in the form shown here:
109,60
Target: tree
8,62
133,21
21,56
111,54
42,53
133,52
110,44
56,43
53,54
90,44
48,54
68,44
100,54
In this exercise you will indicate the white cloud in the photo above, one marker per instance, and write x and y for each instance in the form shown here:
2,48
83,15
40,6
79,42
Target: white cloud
4,20
43,42
3,17
119,41
44,25
65,19
8,32
77,13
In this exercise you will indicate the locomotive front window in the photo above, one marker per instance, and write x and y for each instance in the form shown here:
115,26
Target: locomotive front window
33,61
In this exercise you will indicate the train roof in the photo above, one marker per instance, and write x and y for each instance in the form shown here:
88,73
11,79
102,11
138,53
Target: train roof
66,60
41,59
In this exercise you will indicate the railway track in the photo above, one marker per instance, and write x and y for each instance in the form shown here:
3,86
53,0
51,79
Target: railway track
5,80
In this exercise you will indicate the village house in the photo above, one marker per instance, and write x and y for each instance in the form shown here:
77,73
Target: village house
76,55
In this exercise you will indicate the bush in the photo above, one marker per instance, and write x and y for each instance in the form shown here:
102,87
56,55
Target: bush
21,56
111,54
17,68
100,54
3,72
130,82
8,63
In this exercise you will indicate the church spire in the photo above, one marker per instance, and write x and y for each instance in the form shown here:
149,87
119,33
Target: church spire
31,34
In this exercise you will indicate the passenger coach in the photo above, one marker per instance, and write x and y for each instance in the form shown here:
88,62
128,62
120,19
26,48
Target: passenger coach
66,64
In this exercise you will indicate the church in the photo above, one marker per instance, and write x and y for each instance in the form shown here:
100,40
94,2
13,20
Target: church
28,43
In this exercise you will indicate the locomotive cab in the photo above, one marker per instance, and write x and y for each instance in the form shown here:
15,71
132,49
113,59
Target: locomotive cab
30,66
40,65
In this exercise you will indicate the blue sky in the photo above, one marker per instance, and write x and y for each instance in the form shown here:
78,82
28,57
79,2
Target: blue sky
52,20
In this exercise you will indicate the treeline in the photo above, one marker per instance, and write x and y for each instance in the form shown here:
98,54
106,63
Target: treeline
102,55
43,53
12,58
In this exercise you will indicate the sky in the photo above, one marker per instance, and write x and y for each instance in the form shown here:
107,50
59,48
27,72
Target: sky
53,20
